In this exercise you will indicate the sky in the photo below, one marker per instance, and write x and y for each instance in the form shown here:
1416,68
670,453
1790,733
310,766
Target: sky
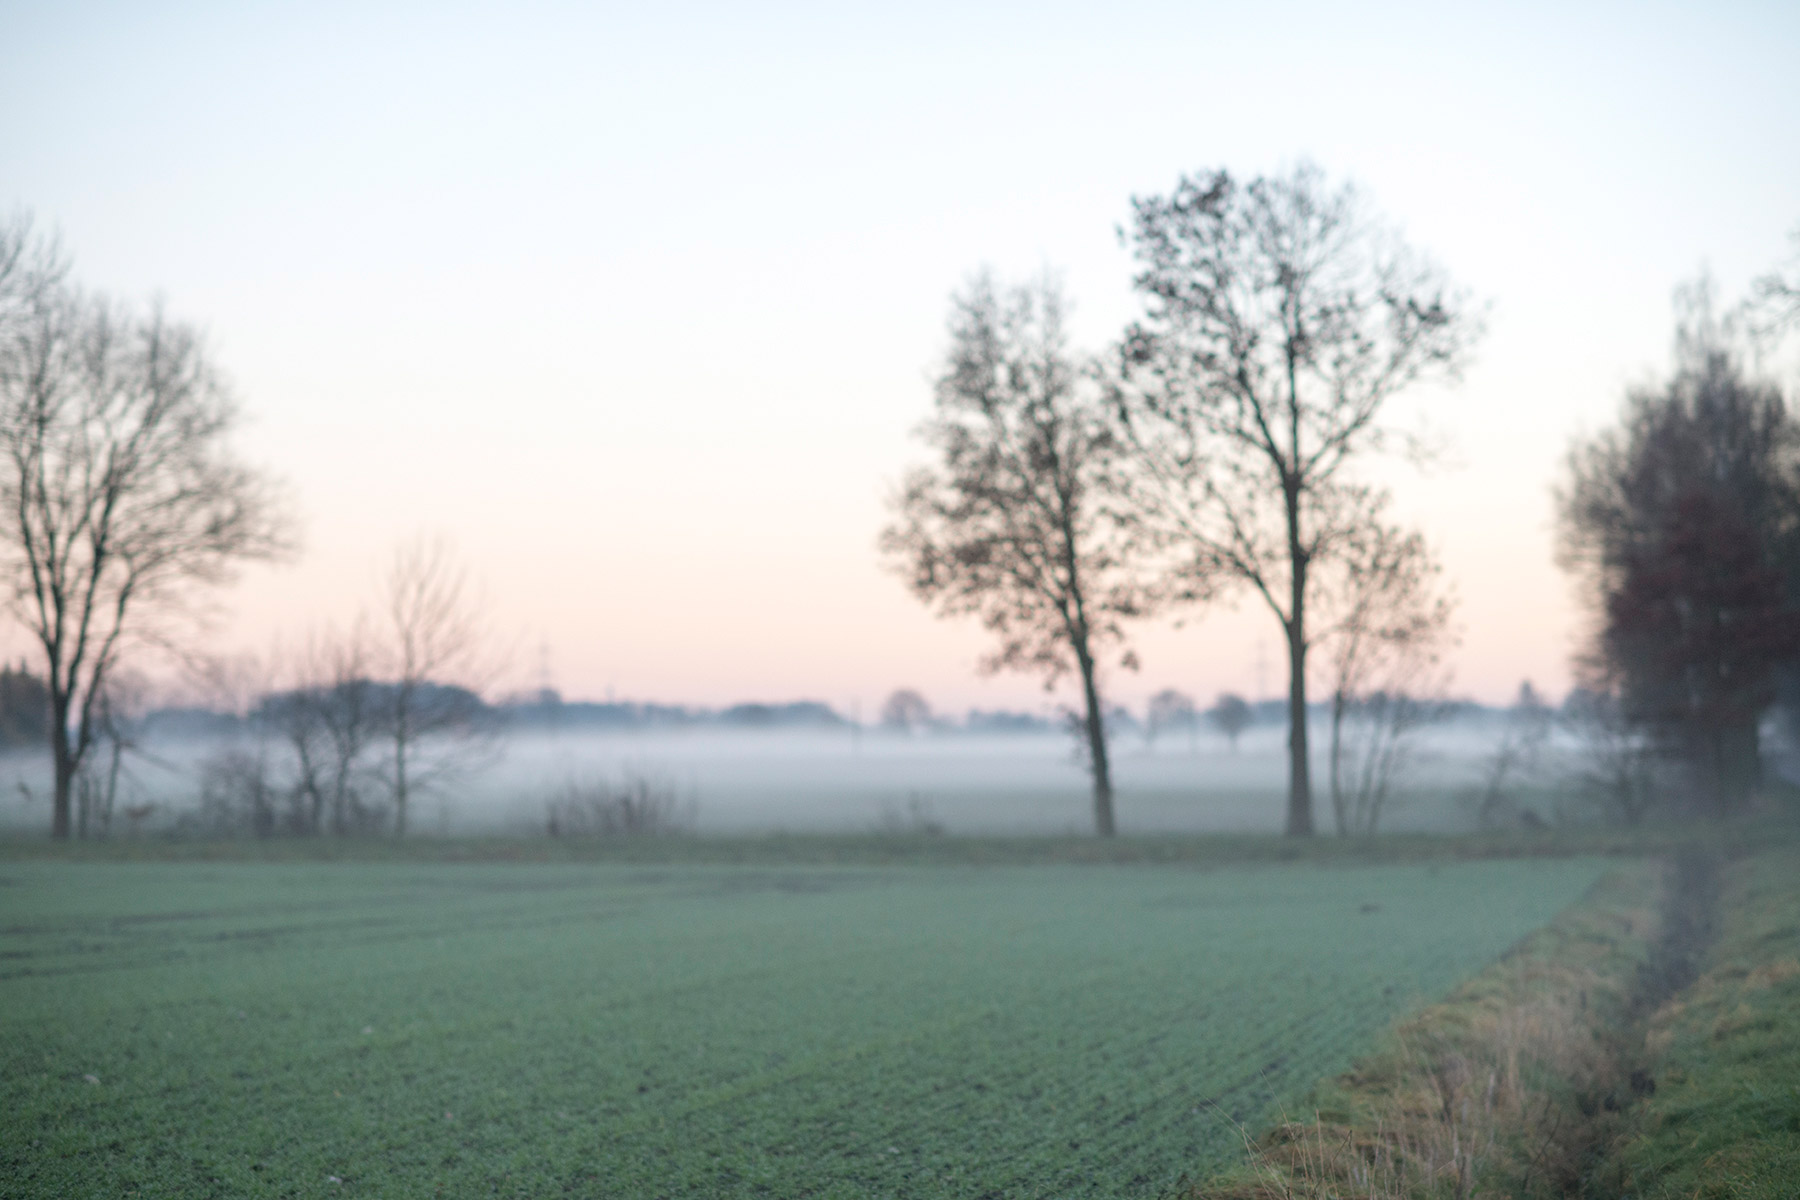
640,304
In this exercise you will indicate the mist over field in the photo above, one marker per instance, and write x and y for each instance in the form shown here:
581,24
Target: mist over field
846,780
937,602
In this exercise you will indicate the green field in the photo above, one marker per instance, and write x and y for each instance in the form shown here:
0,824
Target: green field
297,1029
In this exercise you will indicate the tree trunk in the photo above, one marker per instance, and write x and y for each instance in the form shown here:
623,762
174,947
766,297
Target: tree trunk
400,751
62,799
1300,806
1339,809
1300,809
62,758
1096,739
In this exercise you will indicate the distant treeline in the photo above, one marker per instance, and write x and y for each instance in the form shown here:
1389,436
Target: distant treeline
24,715
546,711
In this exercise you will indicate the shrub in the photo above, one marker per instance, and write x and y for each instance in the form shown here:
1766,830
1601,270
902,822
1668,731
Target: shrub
637,804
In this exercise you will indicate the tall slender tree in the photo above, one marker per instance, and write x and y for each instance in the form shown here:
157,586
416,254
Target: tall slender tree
1017,522
1280,321
433,718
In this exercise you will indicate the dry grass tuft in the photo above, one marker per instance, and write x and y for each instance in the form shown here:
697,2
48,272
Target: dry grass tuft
1509,1088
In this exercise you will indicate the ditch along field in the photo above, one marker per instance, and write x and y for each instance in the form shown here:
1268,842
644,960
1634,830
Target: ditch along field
414,1028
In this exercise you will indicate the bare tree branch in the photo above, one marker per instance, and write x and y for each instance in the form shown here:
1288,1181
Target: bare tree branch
1018,523
1280,321
120,491
434,649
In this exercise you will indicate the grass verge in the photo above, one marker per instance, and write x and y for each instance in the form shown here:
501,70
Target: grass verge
1513,1086
1725,1118
846,849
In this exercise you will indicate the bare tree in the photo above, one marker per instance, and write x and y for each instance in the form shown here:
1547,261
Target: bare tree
905,711
1517,758
1773,307
1614,767
350,714
119,491
328,720
1281,321
1230,715
292,718
1169,709
433,716
117,716
1016,522
1384,623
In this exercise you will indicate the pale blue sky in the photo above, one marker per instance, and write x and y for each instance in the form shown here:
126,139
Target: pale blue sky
640,303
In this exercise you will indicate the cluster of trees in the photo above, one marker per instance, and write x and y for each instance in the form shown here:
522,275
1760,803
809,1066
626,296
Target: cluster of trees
338,736
906,711
1219,447
363,723
1215,448
121,497
1171,710
1682,525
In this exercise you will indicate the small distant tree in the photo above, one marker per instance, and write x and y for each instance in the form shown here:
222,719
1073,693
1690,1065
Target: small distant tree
1016,523
1231,715
291,719
351,718
1614,760
431,721
121,496
1517,758
328,723
1384,624
905,711
1169,709
118,720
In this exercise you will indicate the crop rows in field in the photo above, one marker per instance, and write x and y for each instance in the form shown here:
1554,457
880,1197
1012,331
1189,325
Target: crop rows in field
1056,1031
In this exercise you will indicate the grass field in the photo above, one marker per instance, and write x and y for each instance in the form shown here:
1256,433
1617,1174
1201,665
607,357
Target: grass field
295,1029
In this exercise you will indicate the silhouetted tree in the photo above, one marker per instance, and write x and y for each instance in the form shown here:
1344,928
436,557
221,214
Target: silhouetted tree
1280,322
905,711
1516,758
24,708
1680,523
434,636
119,490
1016,521
1614,769
1773,309
1383,625
329,723
351,716
118,724
291,719
1168,709
1230,715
